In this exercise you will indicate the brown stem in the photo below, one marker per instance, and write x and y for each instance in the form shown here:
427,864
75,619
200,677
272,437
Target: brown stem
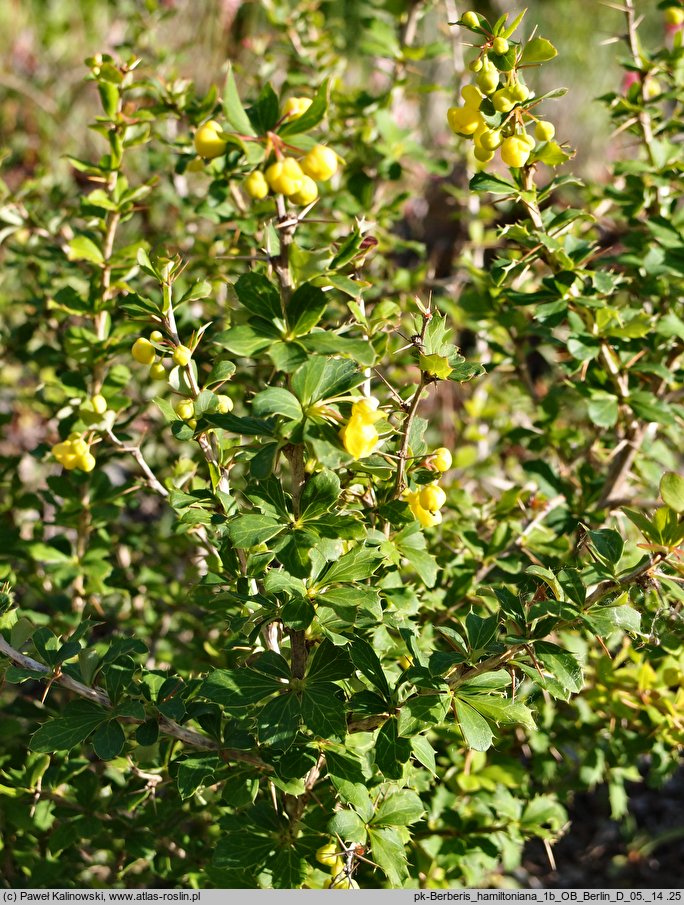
400,479
136,452
167,726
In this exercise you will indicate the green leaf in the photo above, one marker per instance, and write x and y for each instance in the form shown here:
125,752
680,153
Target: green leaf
246,849
603,409
481,631
502,711
109,740
648,407
247,339
232,106
250,530
80,720
312,116
298,613
389,853
235,689
220,372
391,751
329,664
264,114
277,401
607,544
562,665
81,248
608,619
347,825
475,728
328,343
288,868
305,308
262,464
367,662
424,753
645,525
486,182
400,808
422,710
538,50
323,378
259,296
672,491
357,565
320,494
194,773
278,722
246,427
347,770
323,712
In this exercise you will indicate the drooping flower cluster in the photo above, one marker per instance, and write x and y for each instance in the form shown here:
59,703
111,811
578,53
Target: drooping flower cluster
295,178
426,503
74,453
496,110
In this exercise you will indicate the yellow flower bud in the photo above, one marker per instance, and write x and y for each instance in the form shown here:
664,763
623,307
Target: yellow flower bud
143,351
432,497
441,459
208,142
294,107
320,163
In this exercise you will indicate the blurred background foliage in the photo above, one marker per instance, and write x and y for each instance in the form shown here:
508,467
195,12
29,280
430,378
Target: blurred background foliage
46,105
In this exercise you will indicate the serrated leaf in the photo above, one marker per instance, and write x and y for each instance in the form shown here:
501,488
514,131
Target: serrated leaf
475,728
389,853
400,808
347,825
391,751
235,689
607,544
367,662
194,773
329,664
320,494
80,720
277,401
250,530
562,665
357,565
278,721
323,712
259,296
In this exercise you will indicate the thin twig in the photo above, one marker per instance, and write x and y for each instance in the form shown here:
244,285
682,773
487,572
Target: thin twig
167,726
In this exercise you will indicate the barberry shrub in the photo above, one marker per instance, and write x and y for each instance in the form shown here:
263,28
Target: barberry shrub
321,568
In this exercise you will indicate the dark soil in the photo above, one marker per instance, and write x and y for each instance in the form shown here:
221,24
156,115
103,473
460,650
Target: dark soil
645,850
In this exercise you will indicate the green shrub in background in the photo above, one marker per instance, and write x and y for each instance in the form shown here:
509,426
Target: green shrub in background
328,563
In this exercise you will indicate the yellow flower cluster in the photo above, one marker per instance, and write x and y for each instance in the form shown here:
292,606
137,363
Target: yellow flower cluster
296,179
359,435
74,453
426,504
493,96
